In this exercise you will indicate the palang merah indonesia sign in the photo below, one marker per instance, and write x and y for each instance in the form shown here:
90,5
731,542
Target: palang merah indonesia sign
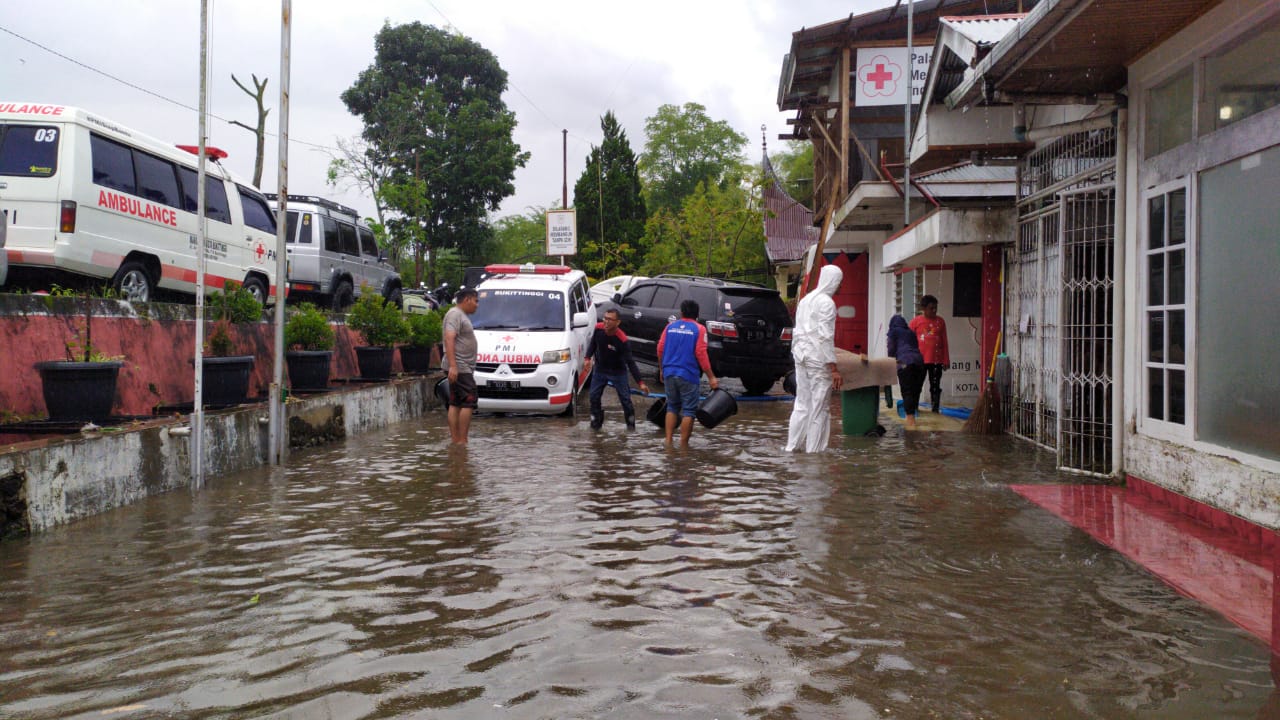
562,232
882,76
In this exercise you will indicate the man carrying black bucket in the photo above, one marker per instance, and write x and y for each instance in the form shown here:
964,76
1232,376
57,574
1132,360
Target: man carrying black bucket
683,352
460,354
612,353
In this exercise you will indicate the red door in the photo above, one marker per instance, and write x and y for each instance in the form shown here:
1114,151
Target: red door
851,303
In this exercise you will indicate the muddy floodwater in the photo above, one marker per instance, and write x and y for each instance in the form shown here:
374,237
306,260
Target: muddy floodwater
549,571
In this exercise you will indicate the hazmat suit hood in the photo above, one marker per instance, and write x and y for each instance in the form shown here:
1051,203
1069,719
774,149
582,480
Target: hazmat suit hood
829,279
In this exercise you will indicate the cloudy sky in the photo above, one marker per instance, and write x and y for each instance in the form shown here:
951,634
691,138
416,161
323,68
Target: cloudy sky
567,61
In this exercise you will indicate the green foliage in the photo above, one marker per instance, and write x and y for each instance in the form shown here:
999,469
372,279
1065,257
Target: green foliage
434,118
794,168
234,304
685,148
380,323
425,329
519,238
717,232
611,209
308,329
220,343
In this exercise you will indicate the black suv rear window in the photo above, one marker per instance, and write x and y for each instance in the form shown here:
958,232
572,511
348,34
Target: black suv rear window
28,150
761,303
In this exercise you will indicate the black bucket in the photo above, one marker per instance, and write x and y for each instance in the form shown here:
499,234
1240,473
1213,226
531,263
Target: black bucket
789,383
657,413
442,391
718,406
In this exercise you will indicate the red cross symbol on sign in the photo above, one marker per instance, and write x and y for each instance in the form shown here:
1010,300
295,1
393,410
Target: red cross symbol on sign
259,252
880,76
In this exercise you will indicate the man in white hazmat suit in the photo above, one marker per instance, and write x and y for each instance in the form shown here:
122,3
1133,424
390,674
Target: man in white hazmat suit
813,346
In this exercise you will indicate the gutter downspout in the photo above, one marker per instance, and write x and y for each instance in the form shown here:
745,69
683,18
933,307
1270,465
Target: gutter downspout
1118,294
1053,131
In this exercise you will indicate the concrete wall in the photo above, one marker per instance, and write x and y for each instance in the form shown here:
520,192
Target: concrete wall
57,481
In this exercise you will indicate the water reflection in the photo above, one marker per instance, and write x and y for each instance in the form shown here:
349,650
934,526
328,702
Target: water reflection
549,571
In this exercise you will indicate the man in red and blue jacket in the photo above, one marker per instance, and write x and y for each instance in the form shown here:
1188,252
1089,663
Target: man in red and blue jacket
683,353
612,354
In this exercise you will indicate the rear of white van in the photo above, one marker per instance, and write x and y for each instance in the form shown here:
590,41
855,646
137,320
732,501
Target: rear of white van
31,152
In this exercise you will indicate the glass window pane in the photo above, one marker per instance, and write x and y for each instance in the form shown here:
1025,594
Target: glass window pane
215,199
112,164
157,180
1177,262
1155,393
1177,337
1155,279
1155,222
1237,263
1177,397
1155,336
1168,119
1177,217
1241,81
28,150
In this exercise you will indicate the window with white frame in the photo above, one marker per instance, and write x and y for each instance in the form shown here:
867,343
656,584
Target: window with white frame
1165,261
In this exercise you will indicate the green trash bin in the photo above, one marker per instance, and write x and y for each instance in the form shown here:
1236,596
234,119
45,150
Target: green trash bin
859,409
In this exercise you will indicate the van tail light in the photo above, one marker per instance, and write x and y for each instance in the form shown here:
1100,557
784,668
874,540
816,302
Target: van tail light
722,329
67,218
786,335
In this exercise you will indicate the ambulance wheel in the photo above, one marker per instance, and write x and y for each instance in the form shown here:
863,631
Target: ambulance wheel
256,288
571,410
343,296
758,385
133,283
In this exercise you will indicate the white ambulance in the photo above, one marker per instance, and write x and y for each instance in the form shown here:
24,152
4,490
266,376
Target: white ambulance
82,195
532,327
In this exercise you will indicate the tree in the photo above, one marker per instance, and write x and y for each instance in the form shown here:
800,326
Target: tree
717,232
433,114
261,130
794,168
519,238
356,166
611,210
685,147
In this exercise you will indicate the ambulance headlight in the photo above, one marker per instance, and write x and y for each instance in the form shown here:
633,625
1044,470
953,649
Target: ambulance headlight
556,356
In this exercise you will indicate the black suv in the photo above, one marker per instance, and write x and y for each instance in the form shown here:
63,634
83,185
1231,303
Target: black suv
748,326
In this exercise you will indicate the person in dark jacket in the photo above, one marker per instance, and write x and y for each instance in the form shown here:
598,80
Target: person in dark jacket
612,358
906,349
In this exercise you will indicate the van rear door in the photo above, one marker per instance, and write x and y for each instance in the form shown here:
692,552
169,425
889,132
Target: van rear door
29,188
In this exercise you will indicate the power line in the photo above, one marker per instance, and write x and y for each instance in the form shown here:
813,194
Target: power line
139,88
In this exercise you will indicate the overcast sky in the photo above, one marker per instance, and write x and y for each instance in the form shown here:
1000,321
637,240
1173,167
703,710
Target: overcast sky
567,63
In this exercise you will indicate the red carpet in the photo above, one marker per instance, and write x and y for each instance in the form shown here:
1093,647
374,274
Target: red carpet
1221,569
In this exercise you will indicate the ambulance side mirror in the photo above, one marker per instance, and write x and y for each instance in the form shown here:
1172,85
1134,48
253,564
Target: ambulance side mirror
580,320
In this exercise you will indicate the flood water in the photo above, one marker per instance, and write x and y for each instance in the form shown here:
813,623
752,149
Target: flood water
548,571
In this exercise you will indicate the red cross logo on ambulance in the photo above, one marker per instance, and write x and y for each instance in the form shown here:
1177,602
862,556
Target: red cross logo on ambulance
259,252
879,77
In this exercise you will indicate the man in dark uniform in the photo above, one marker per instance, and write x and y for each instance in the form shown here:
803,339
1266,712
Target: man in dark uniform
612,355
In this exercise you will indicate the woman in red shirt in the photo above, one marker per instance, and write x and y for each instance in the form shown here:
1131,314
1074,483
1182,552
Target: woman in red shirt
931,332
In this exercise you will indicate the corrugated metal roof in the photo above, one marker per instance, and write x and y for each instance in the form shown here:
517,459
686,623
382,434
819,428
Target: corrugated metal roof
968,172
788,225
983,29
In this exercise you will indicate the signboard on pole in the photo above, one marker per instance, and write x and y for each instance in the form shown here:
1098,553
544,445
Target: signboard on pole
882,75
562,232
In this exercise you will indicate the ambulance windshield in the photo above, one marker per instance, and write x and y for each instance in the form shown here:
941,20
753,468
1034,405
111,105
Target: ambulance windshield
519,310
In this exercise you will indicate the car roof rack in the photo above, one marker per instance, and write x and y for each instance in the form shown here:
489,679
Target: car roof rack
718,282
316,200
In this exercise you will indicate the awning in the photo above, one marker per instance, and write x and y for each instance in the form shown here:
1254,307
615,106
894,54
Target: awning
950,235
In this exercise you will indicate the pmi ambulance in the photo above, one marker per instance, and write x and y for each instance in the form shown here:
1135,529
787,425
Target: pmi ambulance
85,196
532,327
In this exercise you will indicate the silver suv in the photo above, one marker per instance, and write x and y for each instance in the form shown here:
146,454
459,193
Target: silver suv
333,254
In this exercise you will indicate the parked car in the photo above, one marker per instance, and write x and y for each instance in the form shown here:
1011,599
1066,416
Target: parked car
748,326
604,290
333,254
532,329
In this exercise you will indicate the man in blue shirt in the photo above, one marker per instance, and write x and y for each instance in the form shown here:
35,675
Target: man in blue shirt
612,354
683,352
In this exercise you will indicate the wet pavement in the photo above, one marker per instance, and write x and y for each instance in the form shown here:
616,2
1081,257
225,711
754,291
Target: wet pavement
548,571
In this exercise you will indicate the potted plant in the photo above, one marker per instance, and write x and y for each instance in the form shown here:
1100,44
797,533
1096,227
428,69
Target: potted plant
308,340
83,386
382,325
224,377
425,331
